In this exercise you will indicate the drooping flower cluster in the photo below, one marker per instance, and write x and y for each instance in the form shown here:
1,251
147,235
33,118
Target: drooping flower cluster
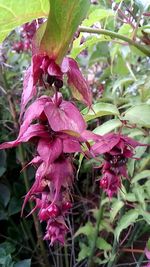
117,149
58,130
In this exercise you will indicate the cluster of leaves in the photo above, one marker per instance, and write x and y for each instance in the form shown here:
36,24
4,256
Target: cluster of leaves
119,78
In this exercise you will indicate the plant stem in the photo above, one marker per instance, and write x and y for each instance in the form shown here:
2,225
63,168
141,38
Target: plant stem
66,256
116,35
99,218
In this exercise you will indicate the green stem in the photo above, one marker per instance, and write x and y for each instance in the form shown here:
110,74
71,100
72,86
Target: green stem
99,218
116,35
66,256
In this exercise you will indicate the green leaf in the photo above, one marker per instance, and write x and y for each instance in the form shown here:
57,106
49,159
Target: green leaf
2,162
14,206
78,48
107,127
4,194
127,219
2,252
102,244
146,215
8,247
6,261
97,15
84,252
130,197
99,110
126,29
148,244
23,263
140,195
15,13
63,21
139,114
116,207
3,215
87,230
121,82
141,175
143,4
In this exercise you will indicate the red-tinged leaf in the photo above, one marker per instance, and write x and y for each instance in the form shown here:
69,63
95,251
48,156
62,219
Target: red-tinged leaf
63,21
88,135
80,88
67,116
35,130
71,146
29,90
132,142
61,173
33,112
106,143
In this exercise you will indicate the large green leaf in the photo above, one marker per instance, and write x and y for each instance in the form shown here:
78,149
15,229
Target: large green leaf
87,230
102,244
139,114
127,219
78,48
141,175
97,15
63,21
15,13
108,126
23,263
116,207
98,110
4,194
